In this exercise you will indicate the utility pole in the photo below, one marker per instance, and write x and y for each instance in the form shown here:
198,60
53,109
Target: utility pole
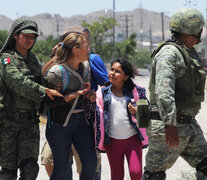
113,48
57,28
162,22
127,24
141,25
150,37
206,37
56,18
127,31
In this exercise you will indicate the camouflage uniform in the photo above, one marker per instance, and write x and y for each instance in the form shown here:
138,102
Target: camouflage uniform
20,97
168,66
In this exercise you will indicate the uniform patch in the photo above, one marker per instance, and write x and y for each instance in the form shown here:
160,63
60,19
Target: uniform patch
7,61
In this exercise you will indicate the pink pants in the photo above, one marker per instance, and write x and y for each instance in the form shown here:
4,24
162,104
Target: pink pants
116,151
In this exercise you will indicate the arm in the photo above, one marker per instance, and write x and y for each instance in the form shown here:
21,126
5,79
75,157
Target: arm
22,85
47,66
67,98
70,96
165,93
50,63
54,78
99,72
18,83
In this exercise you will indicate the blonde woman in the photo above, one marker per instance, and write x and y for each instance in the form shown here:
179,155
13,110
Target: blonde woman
67,121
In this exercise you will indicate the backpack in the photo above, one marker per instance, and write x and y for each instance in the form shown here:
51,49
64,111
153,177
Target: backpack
44,109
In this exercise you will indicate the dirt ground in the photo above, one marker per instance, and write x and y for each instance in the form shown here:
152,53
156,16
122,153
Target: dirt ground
180,170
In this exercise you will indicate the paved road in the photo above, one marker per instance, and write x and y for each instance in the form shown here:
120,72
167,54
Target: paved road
173,174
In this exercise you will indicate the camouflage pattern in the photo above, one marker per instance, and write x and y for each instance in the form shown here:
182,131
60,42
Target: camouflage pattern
19,136
187,21
21,78
19,124
167,66
192,147
200,176
19,140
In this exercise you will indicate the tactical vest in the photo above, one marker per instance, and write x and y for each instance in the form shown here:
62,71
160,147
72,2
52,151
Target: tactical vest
31,70
189,89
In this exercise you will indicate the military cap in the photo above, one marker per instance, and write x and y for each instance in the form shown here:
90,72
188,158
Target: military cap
29,31
19,25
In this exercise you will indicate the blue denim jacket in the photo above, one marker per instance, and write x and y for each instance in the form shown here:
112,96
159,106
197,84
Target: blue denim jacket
106,91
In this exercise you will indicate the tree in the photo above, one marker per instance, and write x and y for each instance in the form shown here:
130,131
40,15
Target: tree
3,36
141,59
126,48
43,48
101,36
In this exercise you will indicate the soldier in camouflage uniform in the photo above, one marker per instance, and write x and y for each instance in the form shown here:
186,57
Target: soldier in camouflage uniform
176,91
20,97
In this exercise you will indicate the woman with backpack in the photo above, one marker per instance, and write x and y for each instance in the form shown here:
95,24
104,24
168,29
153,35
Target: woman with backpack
67,122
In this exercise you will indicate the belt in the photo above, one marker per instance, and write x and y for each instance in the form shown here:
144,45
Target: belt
16,115
155,115
180,118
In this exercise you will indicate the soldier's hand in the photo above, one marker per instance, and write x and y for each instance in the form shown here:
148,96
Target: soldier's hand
171,133
52,92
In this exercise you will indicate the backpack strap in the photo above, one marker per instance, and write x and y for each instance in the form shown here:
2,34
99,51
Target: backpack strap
139,92
65,76
135,94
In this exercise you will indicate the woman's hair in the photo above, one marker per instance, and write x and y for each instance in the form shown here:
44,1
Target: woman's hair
128,70
64,51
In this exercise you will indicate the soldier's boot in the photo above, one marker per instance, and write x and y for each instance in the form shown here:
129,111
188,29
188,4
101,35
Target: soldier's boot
159,175
202,167
29,169
8,174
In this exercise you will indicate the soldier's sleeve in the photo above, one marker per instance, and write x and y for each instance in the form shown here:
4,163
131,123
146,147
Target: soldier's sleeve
166,67
18,83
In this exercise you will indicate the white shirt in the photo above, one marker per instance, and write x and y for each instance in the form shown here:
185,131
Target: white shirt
119,125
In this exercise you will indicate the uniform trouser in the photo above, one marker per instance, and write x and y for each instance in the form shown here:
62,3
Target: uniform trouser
60,139
18,141
160,157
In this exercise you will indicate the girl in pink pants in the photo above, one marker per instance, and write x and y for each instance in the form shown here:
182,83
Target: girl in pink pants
116,129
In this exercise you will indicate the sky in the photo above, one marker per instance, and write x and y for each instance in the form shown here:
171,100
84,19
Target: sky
67,8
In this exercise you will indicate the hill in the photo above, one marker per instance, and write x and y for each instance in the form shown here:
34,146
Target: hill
135,21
